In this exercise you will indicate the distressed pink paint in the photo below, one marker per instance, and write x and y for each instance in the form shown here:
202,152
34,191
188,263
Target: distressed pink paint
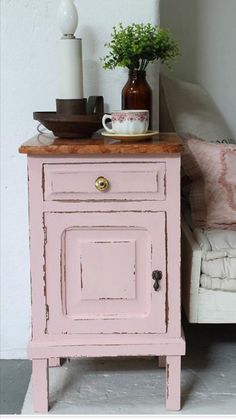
173,371
92,258
136,181
144,311
40,385
54,362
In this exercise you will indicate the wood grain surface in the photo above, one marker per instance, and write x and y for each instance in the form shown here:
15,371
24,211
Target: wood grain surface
44,144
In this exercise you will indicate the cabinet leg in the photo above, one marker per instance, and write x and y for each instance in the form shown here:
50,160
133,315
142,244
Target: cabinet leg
162,361
54,362
40,385
173,382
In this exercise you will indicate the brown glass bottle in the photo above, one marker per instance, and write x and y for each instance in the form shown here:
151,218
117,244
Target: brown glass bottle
137,94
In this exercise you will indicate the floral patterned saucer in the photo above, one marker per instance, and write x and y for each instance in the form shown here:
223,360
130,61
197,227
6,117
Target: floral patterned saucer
130,137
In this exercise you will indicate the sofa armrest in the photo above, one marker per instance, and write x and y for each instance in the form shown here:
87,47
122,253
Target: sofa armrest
191,271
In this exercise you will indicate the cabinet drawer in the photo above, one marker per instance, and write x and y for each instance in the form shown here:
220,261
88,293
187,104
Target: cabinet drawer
126,181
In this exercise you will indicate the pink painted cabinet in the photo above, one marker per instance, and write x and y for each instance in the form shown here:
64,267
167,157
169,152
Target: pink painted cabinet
105,256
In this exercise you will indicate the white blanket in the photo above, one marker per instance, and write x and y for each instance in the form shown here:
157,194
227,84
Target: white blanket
218,259
223,284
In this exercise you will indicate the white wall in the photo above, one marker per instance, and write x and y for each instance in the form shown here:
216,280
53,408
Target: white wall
28,83
206,30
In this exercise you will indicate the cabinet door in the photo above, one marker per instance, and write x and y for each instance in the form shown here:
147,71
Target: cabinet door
99,272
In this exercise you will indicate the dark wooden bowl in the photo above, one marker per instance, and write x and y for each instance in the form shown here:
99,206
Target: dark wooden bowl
70,126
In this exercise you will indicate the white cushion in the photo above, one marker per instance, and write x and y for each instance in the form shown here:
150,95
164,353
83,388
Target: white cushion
192,110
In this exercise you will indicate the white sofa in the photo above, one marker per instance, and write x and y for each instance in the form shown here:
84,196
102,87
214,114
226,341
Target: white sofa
186,107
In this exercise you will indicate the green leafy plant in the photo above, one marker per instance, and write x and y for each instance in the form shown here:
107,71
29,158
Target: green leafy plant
136,45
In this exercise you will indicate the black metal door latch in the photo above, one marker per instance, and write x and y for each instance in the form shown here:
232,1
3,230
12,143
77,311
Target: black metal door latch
156,276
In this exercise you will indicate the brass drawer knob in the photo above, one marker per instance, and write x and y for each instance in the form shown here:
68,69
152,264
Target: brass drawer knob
102,184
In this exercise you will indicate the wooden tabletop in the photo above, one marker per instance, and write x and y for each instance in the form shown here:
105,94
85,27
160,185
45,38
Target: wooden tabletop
44,144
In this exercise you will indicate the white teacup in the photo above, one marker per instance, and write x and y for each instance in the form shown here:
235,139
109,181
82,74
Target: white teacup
127,122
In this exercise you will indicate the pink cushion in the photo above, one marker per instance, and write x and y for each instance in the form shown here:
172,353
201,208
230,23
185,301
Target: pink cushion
212,170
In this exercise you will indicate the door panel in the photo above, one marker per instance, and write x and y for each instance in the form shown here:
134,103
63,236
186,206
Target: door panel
99,272
115,263
103,271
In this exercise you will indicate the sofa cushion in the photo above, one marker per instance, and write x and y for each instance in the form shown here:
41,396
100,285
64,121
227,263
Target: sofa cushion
212,171
192,110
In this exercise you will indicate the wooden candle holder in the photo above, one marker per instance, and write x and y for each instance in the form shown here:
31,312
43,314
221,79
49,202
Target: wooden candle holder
74,118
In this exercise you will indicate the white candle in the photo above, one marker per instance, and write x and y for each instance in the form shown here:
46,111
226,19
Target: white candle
70,69
70,65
